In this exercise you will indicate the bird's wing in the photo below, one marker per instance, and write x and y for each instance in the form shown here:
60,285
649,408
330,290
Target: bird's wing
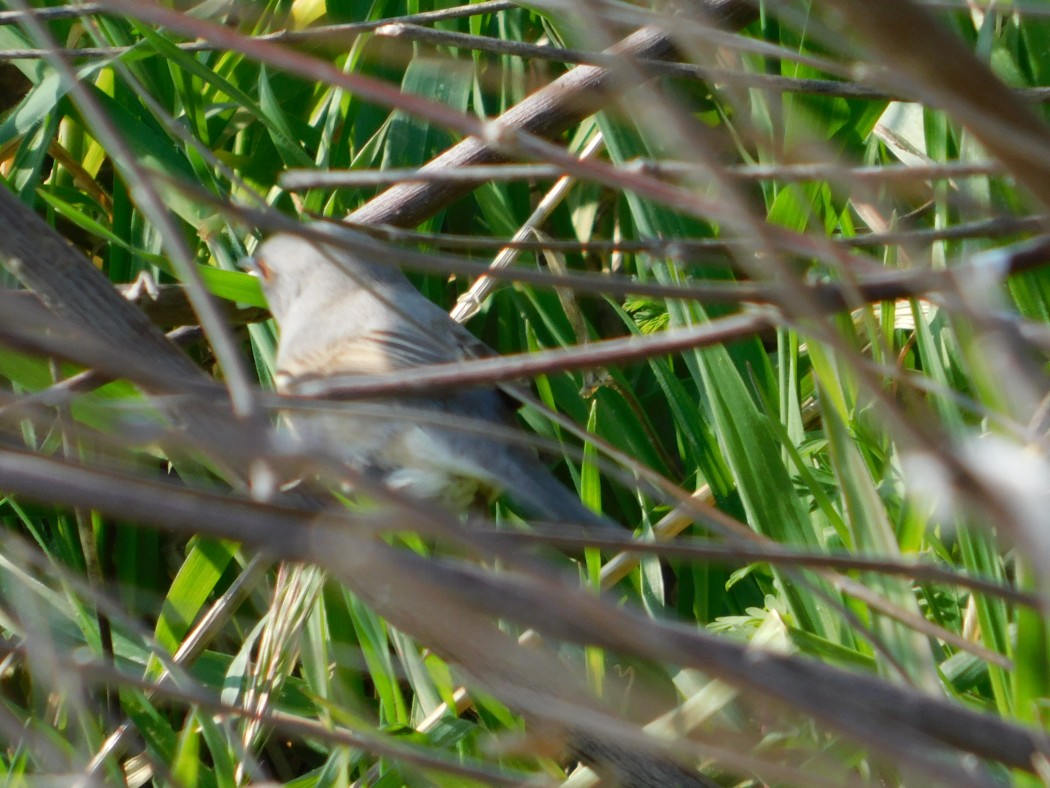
402,351
372,353
467,345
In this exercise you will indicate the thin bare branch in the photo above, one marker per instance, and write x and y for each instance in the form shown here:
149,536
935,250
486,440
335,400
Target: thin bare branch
894,719
153,205
697,550
934,63
294,179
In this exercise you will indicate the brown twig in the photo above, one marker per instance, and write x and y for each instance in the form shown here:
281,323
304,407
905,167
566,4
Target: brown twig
942,70
896,719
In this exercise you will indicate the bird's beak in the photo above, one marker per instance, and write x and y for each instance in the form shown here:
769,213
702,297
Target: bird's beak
249,265
255,266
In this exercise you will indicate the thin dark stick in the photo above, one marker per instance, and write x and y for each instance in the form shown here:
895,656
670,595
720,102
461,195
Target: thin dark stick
884,715
687,249
694,550
548,112
296,180
91,9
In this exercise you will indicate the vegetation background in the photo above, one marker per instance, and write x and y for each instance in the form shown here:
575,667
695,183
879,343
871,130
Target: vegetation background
778,273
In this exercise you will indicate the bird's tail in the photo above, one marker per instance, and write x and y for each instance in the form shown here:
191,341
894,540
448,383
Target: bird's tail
531,486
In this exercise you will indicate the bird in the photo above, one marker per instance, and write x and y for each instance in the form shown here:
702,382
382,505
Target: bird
342,315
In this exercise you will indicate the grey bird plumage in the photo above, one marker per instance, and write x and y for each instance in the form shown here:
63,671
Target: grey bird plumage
340,316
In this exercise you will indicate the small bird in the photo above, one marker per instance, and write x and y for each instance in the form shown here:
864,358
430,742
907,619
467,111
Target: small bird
341,315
